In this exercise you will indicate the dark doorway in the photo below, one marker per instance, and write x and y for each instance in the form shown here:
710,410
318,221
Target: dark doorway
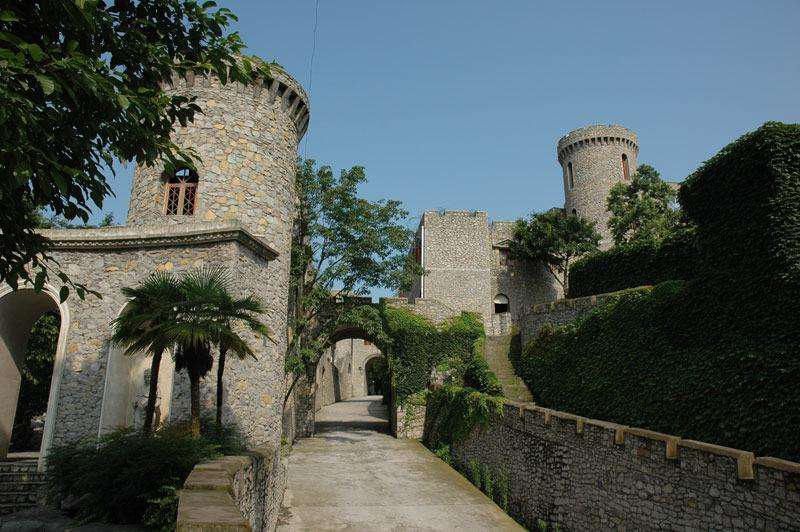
376,372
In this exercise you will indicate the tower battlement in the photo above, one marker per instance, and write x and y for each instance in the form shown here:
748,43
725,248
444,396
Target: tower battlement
596,135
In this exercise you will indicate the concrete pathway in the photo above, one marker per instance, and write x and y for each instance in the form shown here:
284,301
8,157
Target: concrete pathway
350,476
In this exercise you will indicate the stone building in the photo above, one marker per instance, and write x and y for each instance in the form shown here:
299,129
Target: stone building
234,211
466,257
349,369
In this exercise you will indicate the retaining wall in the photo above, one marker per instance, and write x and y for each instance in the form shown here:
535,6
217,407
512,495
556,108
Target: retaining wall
234,493
584,474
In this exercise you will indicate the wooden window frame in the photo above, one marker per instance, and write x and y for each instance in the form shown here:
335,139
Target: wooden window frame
182,182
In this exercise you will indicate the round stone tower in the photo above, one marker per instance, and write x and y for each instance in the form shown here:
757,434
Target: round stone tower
247,138
593,159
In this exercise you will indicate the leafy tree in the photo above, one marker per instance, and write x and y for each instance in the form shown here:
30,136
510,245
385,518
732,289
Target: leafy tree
142,327
207,291
80,86
642,210
343,245
554,238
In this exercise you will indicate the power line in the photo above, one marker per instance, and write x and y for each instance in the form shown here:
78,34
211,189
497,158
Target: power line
311,67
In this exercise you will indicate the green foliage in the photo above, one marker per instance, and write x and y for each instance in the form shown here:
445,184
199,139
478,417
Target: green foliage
343,246
418,347
453,412
36,373
477,374
745,202
488,482
475,472
444,454
127,477
714,358
80,87
554,238
642,210
503,487
645,262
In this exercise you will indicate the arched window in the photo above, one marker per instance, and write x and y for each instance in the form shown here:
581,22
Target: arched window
574,212
571,176
180,193
625,171
500,303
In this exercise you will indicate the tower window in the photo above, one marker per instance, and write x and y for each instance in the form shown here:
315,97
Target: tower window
180,193
500,303
625,171
574,212
570,176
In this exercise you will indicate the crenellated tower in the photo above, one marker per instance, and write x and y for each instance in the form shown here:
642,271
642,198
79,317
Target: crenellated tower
593,159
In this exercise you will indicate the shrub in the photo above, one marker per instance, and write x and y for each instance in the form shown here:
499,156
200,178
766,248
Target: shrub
126,477
636,264
672,360
453,412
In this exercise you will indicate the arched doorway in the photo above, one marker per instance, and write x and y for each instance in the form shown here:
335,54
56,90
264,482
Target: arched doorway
376,373
127,386
20,311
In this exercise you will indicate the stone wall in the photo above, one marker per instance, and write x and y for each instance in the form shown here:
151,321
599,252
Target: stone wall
234,493
87,387
584,474
522,282
558,312
456,255
595,153
434,310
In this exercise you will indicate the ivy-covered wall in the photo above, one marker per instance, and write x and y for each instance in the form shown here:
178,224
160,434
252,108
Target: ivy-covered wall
714,358
632,265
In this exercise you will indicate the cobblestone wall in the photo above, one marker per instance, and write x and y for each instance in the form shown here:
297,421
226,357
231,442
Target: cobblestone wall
108,260
583,474
594,157
234,493
558,312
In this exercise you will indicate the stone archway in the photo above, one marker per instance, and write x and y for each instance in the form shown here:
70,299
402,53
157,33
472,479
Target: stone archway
19,310
126,389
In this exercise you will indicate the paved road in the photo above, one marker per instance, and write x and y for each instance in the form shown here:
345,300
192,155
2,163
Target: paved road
352,476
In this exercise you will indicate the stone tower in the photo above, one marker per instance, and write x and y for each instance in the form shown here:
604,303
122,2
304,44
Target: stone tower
593,159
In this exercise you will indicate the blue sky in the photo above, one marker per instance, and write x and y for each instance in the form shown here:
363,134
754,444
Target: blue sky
459,104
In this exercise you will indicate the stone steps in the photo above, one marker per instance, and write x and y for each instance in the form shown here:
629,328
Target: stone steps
496,351
21,485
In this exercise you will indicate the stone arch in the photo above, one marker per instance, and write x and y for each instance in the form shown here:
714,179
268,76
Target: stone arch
19,310
125,389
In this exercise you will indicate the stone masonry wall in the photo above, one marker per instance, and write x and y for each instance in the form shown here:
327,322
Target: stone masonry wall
234,493
522,282
253,388
595,153
457,260
584,474
559,312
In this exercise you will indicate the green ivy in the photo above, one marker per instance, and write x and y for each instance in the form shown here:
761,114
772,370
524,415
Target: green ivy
453,412
714,358
636,264
418,346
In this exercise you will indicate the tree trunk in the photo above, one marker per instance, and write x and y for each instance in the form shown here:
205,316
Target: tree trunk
223,350
194,386
150,410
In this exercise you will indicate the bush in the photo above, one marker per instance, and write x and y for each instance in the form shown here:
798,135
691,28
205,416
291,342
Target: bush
453,412
746,203
636,264
126,477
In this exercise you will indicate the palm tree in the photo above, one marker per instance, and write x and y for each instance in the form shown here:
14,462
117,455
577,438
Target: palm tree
212,316
140,327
